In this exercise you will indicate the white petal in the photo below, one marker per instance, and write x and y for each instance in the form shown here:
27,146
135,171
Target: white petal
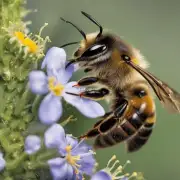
2,162
32,144
38,82
69,88
55,59
87,107
101,175
55,137
63,75
61,172
50,109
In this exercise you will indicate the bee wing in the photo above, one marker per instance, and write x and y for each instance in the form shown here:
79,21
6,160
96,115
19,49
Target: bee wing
169,98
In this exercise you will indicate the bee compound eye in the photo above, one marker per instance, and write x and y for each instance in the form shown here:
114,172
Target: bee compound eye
140,93
125,57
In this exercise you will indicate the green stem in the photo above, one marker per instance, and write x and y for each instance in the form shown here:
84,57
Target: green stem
35,104
22,102
68,120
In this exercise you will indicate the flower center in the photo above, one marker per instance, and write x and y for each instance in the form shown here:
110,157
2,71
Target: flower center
56,88
32,46
72,160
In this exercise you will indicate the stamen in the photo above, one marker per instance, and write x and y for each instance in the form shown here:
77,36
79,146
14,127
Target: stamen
117,171
121,177
82,140
42,28
112,159
68,149
133,175
116,162
127,162
72,159
88,153
57,89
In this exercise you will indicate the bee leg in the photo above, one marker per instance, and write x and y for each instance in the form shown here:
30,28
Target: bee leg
108,122
93,94
87,81
90,134
119,111
95,130
113,118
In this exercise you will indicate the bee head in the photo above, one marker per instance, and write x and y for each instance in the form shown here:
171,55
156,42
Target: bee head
94,48
98,48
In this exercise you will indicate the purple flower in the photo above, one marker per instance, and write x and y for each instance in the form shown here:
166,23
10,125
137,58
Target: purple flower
112,172
101,175
55,85
75,158
2,162
32,144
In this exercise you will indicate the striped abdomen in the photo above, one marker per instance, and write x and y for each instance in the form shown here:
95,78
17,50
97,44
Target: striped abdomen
135,128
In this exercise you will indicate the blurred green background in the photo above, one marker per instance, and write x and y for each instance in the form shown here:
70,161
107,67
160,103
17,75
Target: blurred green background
152,26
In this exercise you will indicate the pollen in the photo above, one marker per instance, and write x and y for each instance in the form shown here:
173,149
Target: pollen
56,88
20,36
31,45
26,41
136,61
72,160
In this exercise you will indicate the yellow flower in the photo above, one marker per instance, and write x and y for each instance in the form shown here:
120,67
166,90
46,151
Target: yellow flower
26,41
30,44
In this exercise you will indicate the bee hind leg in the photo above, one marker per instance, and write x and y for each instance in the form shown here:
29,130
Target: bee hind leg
113,118
108,122
101,124
90,134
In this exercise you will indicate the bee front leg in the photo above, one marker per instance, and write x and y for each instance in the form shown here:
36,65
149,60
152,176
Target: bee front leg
87,81
93,94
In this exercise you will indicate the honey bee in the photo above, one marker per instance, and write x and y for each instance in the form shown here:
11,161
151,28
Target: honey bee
121,70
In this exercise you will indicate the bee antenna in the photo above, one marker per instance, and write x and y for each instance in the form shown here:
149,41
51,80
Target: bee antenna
95,22
64,45
82,33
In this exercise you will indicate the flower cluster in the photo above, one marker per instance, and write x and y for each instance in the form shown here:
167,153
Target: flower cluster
55,84
73,160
